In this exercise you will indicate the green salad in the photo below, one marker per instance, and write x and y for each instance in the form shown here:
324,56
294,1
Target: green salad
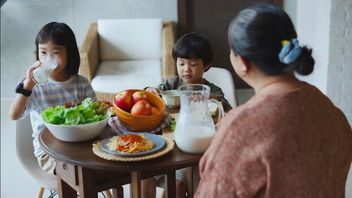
88,111
173,124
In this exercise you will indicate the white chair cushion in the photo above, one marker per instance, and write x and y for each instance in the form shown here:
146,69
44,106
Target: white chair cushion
115,76
123,39
222,78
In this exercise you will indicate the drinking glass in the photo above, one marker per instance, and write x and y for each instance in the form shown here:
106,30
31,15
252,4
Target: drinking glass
41,74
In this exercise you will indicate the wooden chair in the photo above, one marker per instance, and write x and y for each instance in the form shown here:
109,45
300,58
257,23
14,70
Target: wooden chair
120,54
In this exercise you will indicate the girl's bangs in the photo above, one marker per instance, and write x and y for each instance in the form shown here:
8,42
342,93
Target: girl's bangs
52,36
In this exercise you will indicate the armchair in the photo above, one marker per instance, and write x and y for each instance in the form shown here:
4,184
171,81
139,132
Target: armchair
120,54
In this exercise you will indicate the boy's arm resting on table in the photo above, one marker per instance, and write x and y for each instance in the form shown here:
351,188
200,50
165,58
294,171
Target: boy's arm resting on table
169,84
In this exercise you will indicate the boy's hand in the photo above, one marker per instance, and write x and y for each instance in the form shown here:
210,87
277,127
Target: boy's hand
153,90
28,83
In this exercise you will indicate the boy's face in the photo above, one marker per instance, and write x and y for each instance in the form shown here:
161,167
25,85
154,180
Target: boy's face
190,70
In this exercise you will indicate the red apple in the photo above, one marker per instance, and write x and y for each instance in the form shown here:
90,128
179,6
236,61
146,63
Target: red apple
124,100
139,95
154,110
141,107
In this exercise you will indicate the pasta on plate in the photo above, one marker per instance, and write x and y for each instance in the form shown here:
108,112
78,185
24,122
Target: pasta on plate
131,143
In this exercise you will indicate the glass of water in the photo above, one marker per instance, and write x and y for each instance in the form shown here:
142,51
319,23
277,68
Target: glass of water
41,74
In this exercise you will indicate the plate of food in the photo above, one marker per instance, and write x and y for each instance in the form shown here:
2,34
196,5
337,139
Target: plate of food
133,144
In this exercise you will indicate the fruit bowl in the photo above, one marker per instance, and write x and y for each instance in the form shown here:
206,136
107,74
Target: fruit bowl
141,122
77,133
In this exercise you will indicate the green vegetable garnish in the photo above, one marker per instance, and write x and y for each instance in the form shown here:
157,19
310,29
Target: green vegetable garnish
173,124
87,112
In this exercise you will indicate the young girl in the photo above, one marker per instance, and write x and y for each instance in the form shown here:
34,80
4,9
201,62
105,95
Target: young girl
193,55
289,140
56,40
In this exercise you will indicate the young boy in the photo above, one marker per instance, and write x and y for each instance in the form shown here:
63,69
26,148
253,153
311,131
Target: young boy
193,55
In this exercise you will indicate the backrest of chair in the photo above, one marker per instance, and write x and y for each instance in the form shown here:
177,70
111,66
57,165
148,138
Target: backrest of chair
24,144
123,39
25,155
222,78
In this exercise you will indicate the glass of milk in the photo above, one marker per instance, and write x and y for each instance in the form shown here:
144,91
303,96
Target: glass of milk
42,73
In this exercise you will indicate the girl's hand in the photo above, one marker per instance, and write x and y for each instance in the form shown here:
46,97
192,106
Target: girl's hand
153,90
29,83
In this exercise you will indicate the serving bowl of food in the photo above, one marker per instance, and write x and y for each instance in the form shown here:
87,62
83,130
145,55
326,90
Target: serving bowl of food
171,98
76,123
138,110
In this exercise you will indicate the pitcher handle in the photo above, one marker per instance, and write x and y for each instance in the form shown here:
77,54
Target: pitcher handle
221,112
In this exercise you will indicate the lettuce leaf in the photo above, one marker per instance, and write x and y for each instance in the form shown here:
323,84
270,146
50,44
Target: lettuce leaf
88,111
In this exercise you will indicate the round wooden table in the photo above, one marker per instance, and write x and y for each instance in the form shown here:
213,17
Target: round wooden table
79,169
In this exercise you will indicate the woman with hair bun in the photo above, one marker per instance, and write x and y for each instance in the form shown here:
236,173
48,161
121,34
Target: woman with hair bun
289,140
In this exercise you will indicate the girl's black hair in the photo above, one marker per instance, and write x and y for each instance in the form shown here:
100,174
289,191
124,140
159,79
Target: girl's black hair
256,33
192,45
60,34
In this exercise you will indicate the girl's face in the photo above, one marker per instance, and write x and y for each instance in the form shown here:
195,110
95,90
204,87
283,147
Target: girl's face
57,51
190,70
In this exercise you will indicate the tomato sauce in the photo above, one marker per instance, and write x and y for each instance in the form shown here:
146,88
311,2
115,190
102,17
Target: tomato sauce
131,138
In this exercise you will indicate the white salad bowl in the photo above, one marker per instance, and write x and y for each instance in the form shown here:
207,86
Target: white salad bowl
77,133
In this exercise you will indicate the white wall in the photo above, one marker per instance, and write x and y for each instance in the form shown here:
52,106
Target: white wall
290,6
22,19
339,87
313,27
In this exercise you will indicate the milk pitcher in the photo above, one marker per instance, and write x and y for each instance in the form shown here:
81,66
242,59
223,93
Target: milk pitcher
194,126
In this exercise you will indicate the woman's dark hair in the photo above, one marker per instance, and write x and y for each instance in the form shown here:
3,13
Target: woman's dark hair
60,34
256,33
192,45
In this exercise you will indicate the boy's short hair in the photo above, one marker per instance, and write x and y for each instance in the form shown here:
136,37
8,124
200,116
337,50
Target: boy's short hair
60,34
192,45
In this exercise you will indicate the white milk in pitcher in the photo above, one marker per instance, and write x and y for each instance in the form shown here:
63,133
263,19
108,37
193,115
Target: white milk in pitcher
194,139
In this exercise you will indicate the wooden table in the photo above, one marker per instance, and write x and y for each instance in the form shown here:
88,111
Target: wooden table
79,169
